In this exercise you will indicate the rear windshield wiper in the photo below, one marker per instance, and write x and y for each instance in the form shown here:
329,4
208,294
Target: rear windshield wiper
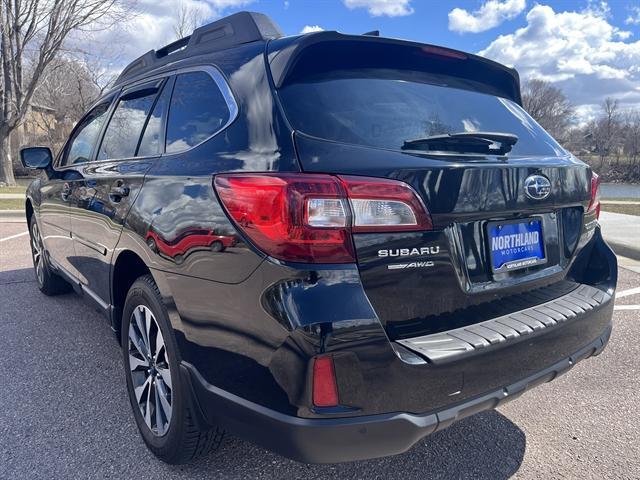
495,143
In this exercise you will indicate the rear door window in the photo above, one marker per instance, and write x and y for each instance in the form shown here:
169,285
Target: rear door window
197,111
125,127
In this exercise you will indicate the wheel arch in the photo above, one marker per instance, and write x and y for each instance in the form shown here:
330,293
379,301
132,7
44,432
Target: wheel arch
127,268
28,208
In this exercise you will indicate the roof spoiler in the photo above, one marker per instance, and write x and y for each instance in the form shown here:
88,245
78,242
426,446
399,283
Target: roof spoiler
236,29
284,56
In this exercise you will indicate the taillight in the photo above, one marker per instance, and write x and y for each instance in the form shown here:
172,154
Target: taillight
380,204
594,204
309,218
325,389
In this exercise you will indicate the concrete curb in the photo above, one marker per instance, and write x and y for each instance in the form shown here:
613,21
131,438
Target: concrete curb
12,216
624,250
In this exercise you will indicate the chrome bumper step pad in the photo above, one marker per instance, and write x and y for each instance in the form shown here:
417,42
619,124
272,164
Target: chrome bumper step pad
455,344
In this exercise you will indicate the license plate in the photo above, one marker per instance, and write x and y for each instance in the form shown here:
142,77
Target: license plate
516,244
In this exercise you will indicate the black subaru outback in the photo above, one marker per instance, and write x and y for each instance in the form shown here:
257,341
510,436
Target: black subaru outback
331,245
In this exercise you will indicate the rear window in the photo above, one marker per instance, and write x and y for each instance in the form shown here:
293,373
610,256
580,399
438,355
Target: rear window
383,108
197,111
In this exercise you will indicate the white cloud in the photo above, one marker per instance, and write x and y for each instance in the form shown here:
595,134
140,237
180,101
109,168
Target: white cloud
488,16
311,28
634,16
378,8
581,52
152,26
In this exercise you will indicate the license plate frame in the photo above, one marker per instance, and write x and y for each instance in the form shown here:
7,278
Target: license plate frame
518,260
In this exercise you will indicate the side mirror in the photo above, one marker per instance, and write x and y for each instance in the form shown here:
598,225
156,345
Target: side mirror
36,157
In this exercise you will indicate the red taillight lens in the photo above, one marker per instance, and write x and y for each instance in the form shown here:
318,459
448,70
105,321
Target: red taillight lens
325,389
271,210
309,218
594,204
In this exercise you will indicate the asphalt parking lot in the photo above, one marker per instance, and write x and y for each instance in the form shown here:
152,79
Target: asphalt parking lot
64,411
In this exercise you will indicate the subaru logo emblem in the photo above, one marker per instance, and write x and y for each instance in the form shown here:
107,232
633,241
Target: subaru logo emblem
537,187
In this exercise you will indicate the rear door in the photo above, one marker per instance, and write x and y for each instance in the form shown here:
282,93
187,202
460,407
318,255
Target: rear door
55,221
505,221
108,185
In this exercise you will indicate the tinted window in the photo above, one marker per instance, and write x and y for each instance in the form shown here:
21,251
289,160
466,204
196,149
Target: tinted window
197,111
84,137
124,130
384,108
152,139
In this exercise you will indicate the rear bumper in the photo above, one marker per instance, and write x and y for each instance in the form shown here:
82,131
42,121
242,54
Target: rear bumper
353,438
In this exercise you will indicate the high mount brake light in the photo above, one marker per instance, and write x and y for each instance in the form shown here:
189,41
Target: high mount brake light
594,204
303,217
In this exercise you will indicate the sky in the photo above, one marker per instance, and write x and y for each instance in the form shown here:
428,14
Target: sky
590,49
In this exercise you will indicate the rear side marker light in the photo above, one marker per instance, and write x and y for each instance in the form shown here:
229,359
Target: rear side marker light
325,389
594,204
310,218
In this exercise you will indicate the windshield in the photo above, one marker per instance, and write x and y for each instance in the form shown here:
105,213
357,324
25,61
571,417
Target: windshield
386,108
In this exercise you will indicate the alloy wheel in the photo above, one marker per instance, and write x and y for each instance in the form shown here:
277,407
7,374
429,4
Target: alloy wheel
37,252
150,373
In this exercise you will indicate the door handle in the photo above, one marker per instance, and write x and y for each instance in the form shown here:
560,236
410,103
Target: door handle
66,191
117,191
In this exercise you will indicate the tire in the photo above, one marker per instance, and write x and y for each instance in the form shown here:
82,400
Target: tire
48,281
172,435
217,246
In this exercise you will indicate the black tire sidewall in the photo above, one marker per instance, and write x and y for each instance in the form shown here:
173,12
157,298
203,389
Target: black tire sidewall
144,292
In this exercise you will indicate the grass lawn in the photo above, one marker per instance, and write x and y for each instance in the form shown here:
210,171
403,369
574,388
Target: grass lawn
11,204
18,189
629,209
23,183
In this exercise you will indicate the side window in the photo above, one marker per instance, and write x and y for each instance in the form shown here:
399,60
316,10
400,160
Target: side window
84,137
197,111
125,127
153,138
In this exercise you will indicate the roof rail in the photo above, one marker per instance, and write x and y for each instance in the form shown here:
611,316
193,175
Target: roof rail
236,29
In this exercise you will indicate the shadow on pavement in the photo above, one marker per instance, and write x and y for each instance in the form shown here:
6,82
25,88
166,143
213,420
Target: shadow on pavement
485,446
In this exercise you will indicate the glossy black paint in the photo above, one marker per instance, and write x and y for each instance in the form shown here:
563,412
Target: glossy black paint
251,326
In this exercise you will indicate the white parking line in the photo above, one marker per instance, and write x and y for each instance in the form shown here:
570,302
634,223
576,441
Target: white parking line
627,307
626,293
14,236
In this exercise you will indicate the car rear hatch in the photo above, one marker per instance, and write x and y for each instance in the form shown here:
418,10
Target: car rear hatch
505,223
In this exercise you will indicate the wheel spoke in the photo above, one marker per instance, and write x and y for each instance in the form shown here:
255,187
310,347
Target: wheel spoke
140,323
159,345
163,395
147,323
137,342
135,362
147,413
139,391
166,376
158,412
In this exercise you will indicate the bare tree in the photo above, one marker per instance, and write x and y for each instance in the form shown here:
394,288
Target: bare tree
69,86
189,17
549,106
632,134
606,129
40,26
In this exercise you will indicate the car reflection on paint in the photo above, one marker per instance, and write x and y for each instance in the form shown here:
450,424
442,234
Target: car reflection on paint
189,240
